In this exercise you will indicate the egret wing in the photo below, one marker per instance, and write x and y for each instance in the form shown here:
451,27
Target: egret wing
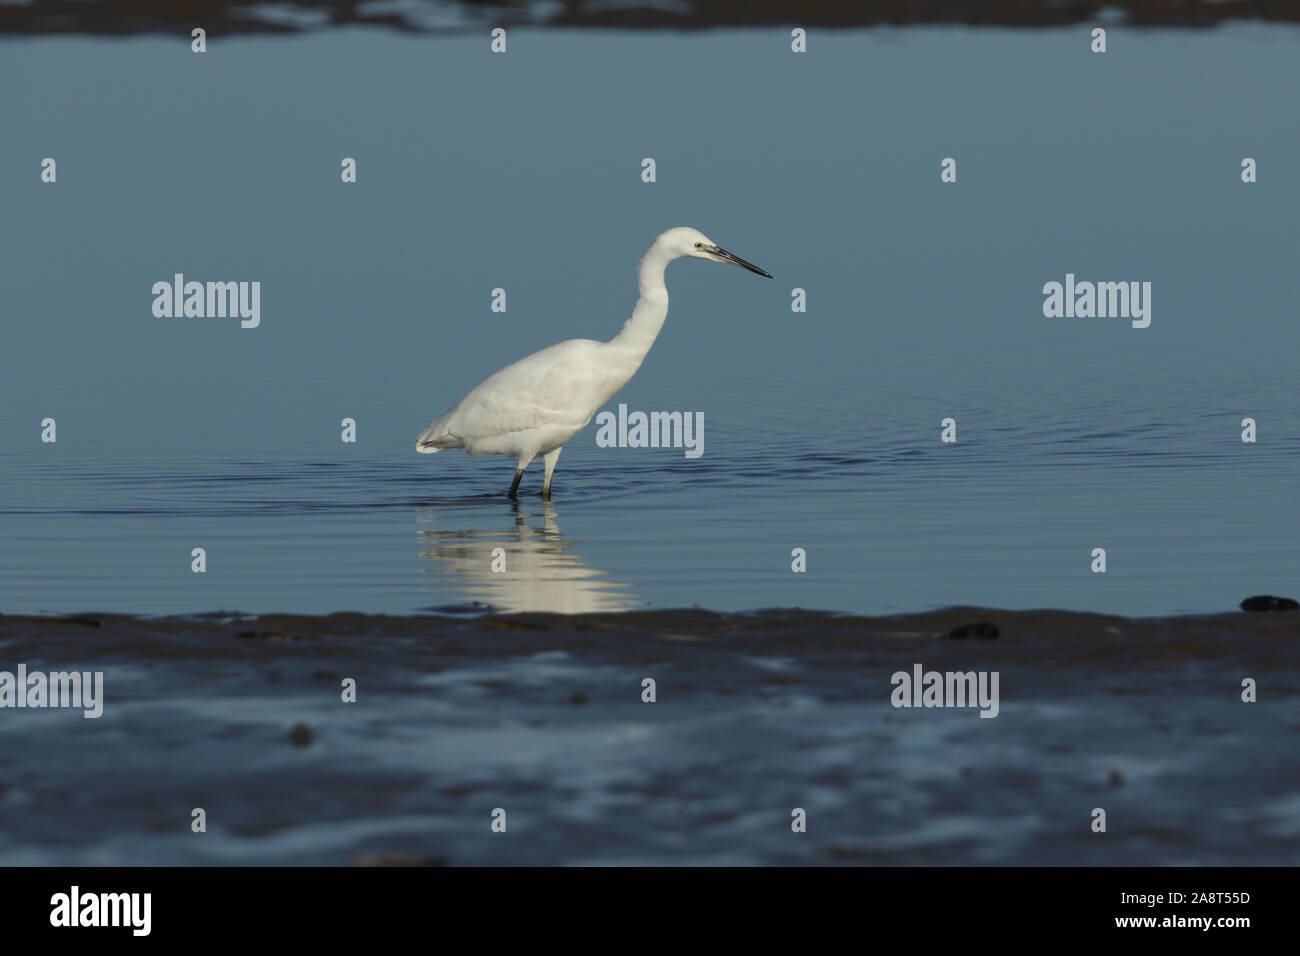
561,385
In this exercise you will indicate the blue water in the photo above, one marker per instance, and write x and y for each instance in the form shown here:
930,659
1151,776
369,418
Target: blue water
518,171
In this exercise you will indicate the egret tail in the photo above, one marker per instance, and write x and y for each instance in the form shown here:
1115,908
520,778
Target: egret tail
436,438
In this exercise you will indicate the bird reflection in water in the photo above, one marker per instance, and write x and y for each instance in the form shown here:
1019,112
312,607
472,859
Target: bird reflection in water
541,572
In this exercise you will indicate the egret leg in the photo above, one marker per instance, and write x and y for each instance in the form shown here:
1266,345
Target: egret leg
549,460
519,473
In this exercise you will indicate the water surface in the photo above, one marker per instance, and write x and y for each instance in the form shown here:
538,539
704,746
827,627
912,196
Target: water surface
821,429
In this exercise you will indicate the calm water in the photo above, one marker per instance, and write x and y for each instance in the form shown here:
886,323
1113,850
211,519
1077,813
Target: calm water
517,171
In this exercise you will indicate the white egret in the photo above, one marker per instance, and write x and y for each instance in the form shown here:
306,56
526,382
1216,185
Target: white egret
537,404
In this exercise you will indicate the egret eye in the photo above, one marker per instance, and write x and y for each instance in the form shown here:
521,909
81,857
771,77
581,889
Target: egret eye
699,245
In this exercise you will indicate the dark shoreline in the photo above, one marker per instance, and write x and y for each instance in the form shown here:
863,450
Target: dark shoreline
938,623
223,18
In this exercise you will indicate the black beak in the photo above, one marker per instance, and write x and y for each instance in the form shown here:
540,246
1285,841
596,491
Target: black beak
726,256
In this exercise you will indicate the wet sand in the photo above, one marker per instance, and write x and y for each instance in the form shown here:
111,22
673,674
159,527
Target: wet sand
756,714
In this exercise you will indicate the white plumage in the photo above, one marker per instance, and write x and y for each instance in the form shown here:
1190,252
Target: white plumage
537,404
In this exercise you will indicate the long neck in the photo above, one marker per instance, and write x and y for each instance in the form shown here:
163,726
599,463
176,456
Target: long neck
640,331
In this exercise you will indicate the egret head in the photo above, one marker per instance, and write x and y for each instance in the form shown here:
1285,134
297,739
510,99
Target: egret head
691,242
